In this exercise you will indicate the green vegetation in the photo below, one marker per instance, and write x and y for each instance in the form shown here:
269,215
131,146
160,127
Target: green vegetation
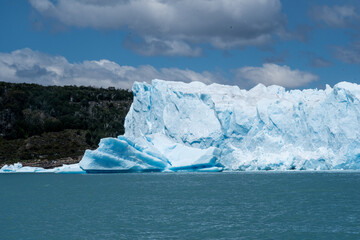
51,122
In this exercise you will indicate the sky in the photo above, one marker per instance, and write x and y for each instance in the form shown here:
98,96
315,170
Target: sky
102,43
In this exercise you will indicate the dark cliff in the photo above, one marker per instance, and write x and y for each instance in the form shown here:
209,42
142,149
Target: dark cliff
50,125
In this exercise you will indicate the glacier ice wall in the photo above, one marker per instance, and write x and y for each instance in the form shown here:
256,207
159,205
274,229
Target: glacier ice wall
193,126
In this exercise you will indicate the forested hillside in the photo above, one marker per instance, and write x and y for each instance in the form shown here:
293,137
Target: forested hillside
48,123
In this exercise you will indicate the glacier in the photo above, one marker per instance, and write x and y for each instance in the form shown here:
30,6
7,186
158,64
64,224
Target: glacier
176,126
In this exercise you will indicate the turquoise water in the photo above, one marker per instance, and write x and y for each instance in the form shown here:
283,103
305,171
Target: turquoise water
265,205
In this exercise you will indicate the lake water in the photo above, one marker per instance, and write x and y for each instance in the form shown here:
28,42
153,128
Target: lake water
268,205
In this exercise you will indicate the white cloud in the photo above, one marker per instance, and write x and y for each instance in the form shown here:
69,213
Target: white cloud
335,16
273,74
26,65
168,27
29,66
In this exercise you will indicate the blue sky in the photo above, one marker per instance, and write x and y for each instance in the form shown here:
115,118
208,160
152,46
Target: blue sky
296,44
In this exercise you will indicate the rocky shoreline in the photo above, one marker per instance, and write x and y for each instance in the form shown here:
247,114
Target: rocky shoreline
52,163
48,164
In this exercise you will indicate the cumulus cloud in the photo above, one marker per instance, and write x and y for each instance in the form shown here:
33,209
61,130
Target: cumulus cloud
273,74
26,65
335,16
170,27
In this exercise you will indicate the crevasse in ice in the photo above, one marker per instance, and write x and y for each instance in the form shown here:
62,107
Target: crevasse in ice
175,126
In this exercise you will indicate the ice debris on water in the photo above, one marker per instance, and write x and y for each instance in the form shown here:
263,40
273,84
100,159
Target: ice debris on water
18,168
175,126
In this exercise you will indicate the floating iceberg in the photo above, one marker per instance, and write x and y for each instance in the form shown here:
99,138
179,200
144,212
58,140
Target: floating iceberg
18,168
68,168
175,126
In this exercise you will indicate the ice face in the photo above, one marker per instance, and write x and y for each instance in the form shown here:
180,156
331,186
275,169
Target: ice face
174,126
156,152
